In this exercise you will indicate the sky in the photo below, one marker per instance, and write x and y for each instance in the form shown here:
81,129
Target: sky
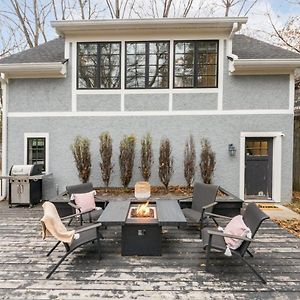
258,21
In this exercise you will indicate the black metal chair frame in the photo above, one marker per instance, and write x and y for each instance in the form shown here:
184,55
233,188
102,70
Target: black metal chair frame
69,248
240,252
202,214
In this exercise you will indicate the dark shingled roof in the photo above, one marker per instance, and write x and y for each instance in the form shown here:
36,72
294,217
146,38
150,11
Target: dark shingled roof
243,46
52,51
246,47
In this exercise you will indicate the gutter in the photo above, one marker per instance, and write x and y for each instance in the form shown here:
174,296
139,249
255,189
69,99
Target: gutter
235,28
25,70
261,66
4,84
64,27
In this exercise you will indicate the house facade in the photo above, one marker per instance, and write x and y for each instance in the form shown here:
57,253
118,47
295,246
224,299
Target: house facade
167,77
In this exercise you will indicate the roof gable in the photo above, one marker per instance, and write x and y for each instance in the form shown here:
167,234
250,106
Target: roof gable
243,46
52,51
246,47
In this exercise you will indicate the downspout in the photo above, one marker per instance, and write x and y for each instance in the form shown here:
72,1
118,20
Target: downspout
4,84
232,57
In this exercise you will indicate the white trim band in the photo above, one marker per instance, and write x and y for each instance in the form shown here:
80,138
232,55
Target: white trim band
148,113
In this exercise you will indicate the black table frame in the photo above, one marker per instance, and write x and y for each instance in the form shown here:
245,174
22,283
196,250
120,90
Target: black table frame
142,237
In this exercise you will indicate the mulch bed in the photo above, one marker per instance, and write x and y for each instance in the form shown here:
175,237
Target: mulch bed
293,225
177,190
155,191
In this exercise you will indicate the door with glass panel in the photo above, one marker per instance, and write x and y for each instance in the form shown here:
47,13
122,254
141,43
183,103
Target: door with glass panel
258,168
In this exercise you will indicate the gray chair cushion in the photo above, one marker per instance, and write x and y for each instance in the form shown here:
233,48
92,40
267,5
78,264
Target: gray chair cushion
192,215
95,214
217,241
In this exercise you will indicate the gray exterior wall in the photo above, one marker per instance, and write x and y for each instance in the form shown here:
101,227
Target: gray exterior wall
40,94
106,102
256,92
140,102
221,130
240,92
195,101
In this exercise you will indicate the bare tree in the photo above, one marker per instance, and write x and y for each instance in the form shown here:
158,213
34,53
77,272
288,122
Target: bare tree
289,34
30,19
243,6
166,162
189,161
146,156
118,9
207,161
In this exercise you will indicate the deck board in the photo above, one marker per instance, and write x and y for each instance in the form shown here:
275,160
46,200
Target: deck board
178,274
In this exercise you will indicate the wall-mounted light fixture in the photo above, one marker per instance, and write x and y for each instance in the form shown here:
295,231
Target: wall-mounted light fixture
231,150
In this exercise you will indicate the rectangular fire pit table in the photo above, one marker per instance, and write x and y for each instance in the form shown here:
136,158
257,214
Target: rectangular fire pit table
142,236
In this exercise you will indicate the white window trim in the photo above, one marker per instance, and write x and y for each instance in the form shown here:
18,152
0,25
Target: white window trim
276,161
37,135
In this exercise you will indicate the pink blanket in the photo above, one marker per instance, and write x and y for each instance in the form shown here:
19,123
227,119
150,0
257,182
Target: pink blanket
236,227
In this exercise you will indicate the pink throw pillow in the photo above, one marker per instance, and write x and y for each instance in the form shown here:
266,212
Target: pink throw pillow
236,227
85,201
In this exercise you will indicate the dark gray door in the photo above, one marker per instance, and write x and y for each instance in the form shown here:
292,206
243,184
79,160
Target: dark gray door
258,168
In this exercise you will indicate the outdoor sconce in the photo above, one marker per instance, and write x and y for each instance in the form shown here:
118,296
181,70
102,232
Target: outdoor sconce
231,150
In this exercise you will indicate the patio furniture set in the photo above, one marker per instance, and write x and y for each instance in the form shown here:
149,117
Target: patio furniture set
142,223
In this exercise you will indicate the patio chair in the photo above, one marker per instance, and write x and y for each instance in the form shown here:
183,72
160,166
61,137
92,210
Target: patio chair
90,215
52,224
204,196
212,239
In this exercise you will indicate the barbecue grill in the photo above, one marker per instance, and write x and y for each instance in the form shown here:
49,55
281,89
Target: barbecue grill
25,184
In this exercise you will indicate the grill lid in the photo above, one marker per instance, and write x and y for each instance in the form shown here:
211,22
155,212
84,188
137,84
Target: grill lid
24,170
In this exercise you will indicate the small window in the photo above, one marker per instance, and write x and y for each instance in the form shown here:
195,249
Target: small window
36,151
99,65
147,65
256,148
195,64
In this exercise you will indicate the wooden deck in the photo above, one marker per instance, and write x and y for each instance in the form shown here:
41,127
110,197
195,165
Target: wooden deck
177,274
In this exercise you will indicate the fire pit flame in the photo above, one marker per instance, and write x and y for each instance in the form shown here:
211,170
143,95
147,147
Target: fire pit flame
143,210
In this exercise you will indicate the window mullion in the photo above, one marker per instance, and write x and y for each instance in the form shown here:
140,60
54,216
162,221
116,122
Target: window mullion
147,66
196,67
98,77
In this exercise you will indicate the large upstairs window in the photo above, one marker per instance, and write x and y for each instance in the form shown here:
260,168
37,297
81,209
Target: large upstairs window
195,64
147,65
98,65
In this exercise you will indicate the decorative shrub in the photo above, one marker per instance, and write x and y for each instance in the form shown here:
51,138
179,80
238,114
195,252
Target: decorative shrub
207,161
105,150
126,159
165,170
82,157
189,161
146,156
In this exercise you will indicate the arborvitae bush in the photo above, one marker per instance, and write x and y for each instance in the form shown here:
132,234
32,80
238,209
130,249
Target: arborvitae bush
165,170
105,150
82,156
207,161
146,156
126,159
189,161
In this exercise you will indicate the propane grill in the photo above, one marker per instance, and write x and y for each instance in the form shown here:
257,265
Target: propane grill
25,184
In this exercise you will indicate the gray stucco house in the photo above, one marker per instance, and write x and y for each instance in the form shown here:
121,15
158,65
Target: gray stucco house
168,77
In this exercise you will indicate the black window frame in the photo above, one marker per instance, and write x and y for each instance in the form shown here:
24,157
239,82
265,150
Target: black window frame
98,87
196,64
34,161
147,66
